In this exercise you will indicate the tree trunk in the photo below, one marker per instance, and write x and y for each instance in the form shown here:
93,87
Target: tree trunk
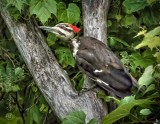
95,18
52,81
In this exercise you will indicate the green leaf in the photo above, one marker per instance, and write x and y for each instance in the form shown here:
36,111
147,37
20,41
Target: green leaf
142,60
73,13
134,5
33,115
17,3
70,15
65,57
92,121
128,20
51,38
75,117
124,109
147,77
116,39
145,112
149,15
19,72
150,88
62,13
151,39
43,9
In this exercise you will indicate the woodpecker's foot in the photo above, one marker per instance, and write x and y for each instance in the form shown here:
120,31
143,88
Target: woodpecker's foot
87,89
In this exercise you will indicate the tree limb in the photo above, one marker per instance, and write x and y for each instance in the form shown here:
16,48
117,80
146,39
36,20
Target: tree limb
52,81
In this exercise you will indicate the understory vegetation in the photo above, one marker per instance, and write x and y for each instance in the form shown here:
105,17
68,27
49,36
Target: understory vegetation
133,31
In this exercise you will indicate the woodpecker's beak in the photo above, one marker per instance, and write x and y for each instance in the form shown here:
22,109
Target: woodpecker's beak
47,28
53,30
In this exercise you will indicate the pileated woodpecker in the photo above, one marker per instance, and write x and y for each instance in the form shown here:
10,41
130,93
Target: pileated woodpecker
97,61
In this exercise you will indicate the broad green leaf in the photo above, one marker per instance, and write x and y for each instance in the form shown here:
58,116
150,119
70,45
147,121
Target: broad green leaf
123,110
33,115
17,3
128,20
92,121
73,13
70,15
151,39
43,9
63,17
65,56
149,15
61,13
147,77
145,112
51,38
134,5
75,117
142,60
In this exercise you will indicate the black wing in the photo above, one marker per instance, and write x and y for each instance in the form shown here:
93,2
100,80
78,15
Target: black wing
102,66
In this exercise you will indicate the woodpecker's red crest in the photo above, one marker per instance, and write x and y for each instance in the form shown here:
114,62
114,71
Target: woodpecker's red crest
75,28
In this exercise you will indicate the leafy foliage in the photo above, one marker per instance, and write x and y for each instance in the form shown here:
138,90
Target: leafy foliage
133,33
124,109
77,117
43,9
65,56
70,14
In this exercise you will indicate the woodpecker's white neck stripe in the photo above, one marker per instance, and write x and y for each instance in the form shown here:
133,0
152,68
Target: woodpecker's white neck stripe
75,44
98,71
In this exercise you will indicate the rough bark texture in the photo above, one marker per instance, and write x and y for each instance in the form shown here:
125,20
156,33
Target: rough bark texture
94,18
52,81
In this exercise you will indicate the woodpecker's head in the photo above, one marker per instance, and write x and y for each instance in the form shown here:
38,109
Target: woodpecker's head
65,31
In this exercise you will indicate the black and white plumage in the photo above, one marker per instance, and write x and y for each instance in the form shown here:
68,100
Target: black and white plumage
97,61
102,65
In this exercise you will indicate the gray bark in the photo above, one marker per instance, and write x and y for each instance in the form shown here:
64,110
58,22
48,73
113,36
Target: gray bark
52,81
95,18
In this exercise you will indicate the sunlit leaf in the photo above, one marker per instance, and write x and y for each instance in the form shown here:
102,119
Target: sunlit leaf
147,77
123,110
71,14
43,9
151,39
145,112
